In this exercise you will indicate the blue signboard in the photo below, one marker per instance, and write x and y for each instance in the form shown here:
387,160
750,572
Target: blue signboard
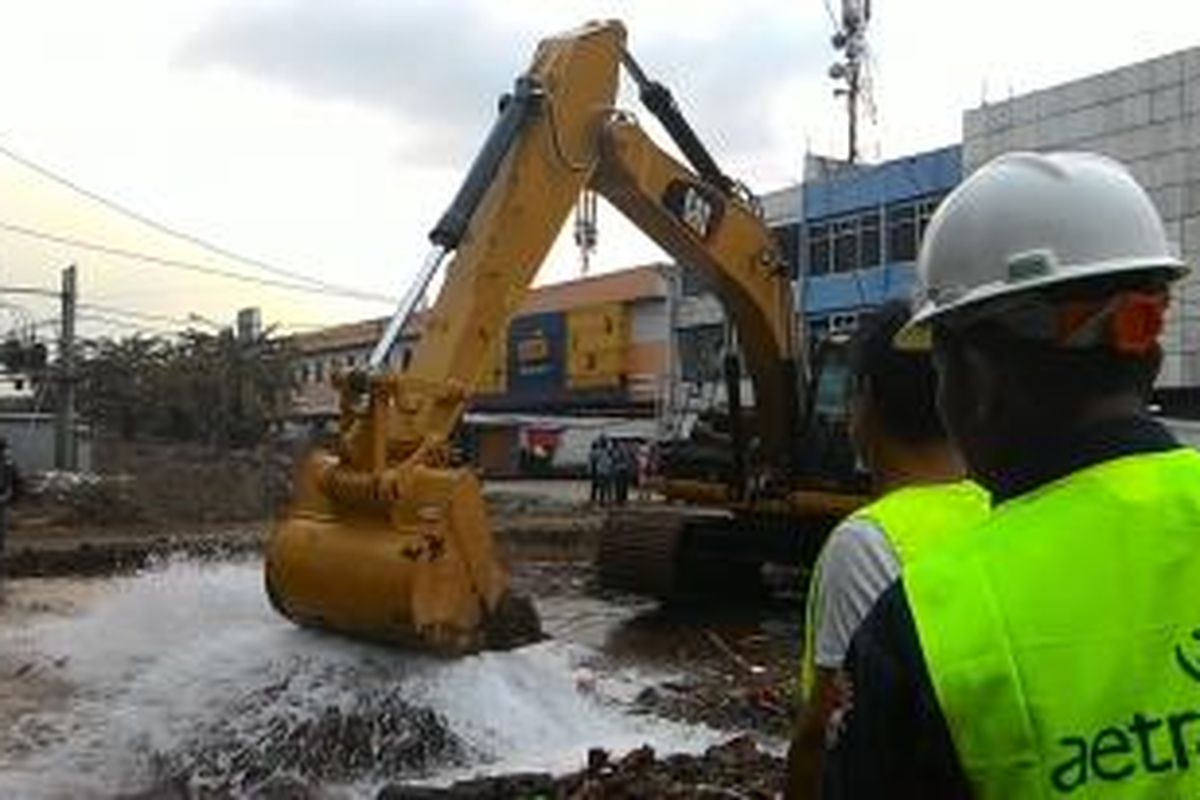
537,353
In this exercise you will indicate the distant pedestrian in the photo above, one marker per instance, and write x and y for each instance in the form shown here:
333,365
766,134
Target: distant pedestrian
643,471
623,471
9,488
594,470
604,470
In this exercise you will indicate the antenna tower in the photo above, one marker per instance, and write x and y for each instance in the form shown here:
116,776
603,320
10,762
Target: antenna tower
849,71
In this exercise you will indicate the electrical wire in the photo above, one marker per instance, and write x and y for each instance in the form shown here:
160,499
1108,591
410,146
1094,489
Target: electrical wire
162,228
135,255
833,20
142,315
107,319
146,316
187,322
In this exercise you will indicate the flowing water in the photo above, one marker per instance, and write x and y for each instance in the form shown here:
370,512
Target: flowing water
183,675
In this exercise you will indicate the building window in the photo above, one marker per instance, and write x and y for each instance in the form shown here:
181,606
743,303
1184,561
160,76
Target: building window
902,233
319,371
871,248
787,237
925,211
691,282
700,350
819,250
845,245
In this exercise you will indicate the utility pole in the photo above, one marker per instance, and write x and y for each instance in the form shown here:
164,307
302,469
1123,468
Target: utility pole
65,452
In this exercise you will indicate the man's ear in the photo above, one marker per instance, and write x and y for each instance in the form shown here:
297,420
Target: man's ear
983,385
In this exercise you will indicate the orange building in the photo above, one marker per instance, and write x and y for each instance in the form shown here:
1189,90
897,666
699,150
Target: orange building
595,345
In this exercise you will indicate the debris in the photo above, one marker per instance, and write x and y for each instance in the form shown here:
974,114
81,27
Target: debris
734,770
723,646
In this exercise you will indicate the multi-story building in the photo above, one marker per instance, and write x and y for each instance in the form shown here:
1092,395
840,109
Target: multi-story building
863,225
1146,115
593,345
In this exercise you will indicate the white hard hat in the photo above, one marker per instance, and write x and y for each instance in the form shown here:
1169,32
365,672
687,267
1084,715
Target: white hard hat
1028,221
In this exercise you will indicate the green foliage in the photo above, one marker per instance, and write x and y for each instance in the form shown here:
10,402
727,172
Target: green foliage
193,387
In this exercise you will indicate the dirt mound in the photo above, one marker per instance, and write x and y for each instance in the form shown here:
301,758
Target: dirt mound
735,770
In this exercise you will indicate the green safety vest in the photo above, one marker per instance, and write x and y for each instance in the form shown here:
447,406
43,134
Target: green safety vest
913,519
1063,636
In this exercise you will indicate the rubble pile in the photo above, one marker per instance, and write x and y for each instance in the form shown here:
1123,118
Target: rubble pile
70,497
735,770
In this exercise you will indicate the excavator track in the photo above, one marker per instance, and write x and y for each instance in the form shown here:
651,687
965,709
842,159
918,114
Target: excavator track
677,554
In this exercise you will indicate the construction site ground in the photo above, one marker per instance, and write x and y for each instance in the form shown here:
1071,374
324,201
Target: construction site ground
626,699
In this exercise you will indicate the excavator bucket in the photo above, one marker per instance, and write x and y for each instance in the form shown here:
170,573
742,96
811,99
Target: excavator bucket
417,570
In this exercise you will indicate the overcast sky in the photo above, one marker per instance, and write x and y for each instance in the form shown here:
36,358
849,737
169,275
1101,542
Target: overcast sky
325,136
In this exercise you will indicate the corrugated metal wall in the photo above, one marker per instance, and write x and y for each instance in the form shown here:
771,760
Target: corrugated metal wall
597,337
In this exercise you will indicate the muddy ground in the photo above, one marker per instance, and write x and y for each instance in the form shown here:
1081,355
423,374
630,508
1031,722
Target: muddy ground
734,666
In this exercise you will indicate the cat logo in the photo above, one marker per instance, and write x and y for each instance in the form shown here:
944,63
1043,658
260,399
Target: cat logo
698,207
534,349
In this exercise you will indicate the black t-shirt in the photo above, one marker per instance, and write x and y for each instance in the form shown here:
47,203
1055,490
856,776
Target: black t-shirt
892,741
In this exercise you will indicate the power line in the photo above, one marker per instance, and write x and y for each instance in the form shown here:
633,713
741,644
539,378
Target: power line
148,316
135,255
178,234
117,321
142,315
832,17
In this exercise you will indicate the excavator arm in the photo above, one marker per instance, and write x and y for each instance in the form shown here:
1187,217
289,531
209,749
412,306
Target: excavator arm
385,539
724,238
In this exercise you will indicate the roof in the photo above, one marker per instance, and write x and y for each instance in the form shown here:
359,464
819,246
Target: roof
865,186
621,286
337,337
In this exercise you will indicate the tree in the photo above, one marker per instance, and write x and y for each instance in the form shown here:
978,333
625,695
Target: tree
190,387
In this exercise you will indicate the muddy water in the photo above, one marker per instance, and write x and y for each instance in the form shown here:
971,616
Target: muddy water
182,675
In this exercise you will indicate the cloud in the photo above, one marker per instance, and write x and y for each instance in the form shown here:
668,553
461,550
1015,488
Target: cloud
428,63
437,66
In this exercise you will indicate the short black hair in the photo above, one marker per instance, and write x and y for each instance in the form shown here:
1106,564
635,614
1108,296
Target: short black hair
1061,381
901,385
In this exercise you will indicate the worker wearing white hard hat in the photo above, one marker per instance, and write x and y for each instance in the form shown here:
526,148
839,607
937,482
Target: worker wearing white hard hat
1056,650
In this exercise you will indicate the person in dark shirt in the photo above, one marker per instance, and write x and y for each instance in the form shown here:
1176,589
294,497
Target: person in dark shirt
1045,280
9,487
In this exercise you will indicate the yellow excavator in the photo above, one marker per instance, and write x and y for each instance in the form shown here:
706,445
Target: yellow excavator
386,539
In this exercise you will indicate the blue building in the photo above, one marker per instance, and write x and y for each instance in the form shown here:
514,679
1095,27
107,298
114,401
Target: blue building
860,231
